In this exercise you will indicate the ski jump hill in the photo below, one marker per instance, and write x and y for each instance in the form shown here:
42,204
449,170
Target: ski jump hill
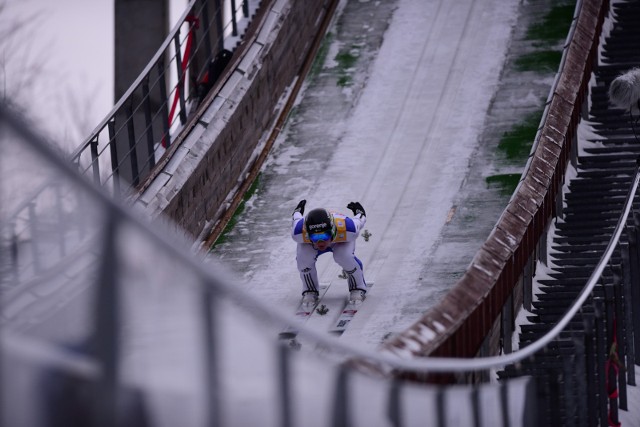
188,141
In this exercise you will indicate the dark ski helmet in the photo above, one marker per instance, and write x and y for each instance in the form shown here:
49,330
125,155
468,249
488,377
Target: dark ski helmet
319,221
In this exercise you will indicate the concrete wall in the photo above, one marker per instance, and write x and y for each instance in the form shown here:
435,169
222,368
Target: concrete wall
216,153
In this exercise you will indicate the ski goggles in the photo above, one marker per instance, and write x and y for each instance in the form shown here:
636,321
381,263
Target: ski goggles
319,237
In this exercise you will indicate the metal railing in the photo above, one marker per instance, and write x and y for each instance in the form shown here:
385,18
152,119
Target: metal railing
110,334
124,148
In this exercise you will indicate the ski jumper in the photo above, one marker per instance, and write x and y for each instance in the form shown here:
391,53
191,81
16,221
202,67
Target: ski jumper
342,246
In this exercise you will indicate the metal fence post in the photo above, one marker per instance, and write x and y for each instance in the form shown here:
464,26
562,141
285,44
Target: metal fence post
60,214
620,355
581,381
214,409
162,84
341,416
95,164
590,365
600,344
634,265
504,403
245,8
115,167
284,375
219,25
507,321
180,86
440,407
106,330
148,131
133,149
394,409
33,227
206,29
234,21
570,407
628,315
14,253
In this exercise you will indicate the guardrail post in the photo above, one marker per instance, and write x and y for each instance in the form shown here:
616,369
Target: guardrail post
14,253
590,365
628,315
570,406
507,322
611,379
95,164
209,311
33,228
341,416
180,85
553,384
245,8
581,381
394,411
133,149
206,29
234,21
441,414
151,159
559,200
574,149
219,25
504,402
106,330
600,344
115,167
284,375
634,266
61,226
621,342
162,85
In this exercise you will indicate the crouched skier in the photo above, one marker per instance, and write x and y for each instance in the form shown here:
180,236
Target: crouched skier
321,231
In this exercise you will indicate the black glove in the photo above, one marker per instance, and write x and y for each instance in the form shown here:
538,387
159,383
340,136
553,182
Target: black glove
300,207
357,208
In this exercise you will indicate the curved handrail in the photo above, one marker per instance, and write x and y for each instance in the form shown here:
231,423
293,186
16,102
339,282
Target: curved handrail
221,282
145,72
140,128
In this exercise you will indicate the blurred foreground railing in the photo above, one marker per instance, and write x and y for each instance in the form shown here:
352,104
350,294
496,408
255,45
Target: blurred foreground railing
127,327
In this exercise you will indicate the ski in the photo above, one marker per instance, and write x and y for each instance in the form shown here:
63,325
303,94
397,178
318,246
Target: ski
302,314
348,313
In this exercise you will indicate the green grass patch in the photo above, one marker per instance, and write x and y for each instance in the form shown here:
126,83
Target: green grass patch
554,26
505,183
542,61
346,60
224,236
516,143
321,56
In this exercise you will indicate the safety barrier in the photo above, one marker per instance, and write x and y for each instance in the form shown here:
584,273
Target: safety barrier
123,150
131,329
127,328
178,344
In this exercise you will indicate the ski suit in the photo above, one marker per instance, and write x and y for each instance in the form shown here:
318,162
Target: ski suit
342,246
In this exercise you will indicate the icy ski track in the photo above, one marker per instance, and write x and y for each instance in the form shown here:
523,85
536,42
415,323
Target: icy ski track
403,152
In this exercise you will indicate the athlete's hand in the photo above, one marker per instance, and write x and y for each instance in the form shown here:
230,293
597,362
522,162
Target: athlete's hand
300,207
357,208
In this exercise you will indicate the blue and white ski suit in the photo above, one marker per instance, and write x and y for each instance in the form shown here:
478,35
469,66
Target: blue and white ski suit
342,246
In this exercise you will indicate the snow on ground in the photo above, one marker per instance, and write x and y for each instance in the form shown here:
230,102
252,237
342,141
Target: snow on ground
398,140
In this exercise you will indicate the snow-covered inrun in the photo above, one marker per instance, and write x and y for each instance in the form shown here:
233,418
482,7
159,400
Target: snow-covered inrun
399,140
